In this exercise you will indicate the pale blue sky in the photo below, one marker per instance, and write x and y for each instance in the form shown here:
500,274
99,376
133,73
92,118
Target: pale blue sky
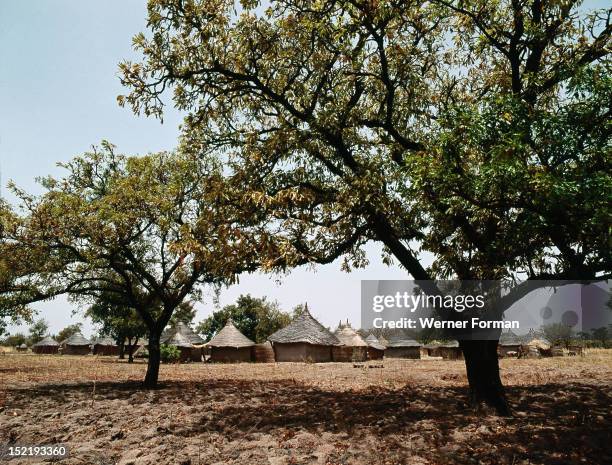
58,89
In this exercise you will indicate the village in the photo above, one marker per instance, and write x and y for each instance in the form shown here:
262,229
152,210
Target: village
303,340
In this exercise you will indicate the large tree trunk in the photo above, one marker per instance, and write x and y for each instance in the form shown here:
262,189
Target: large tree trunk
154,361
482,368
122,351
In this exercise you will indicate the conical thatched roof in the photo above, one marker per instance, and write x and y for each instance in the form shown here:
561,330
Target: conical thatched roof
104,341
304,328
190,334
47,342
76,339
230,336
402,340
349,337
540,343
374,343
178,340
509,339
23,346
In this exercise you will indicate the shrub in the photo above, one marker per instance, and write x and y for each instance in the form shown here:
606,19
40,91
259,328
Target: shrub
170,354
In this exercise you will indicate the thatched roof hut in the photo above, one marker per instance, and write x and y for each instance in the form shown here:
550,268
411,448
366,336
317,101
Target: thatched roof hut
22,348
400,345
186,331
105,346
376,350
509,345
188,351
230,345
539,347
76,345
47,345
353,348
304,339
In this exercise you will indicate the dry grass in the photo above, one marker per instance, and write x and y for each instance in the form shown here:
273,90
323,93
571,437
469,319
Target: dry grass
23,369
409,412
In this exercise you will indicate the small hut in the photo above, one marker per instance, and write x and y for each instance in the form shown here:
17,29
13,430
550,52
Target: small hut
402,346
376,350
263,353
22,348
76,345
450,350
196,341
48,345
509,345
540,346
105,346
230,345
303,340
182,344
353,348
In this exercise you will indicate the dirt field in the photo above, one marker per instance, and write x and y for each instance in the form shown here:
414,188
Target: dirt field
409,412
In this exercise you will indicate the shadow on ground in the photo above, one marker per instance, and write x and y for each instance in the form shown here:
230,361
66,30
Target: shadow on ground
553,423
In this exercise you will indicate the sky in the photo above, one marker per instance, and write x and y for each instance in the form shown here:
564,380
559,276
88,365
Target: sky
58,90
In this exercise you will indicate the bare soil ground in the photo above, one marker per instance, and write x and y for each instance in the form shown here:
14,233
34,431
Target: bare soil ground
409,412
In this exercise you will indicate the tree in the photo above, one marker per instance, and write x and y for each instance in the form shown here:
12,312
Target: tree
14,314
185,313
140,231
14,340
120,321
558,333
68,331
601,335
255,317
472,130
38,330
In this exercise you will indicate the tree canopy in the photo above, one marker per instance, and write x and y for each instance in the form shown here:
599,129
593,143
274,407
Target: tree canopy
140,233
256,318
474,130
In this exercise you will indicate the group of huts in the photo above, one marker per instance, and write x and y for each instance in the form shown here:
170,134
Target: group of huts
303,340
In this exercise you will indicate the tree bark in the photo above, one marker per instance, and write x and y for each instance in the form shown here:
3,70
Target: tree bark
482,368
122,351
154,361
131,353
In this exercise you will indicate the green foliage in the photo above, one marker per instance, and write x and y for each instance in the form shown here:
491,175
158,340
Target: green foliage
116,319
170,354
602,335
255,317
68,331
38,330
14,340
558,333
184,313
461,128
143,233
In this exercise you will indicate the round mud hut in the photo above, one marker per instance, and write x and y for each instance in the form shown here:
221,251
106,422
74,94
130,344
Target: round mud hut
76,345
105,346
450,350
352,349
540,347
196,341
22,347
48,345
509,345
185,347
230,346
303,340
402,346
376,351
